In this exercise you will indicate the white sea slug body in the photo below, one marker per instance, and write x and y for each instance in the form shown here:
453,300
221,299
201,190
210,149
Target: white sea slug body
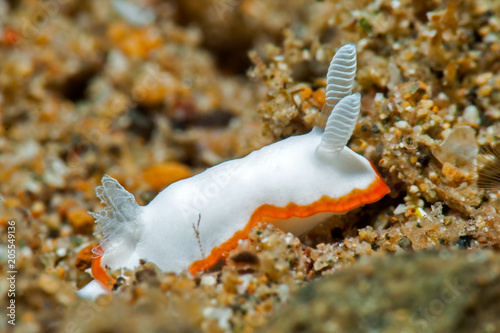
294,183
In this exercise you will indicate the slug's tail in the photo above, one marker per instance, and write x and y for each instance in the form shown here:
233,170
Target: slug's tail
118,223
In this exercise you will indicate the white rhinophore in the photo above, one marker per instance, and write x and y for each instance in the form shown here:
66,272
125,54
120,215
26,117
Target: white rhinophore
339,79
340,125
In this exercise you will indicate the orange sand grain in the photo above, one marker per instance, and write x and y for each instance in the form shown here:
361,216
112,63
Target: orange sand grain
162,175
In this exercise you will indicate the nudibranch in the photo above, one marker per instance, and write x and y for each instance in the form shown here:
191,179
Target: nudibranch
295,184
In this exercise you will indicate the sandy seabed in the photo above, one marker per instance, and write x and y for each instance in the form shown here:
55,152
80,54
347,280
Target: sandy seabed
151,92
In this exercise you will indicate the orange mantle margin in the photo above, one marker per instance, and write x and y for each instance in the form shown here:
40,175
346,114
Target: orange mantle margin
98,272
264,213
